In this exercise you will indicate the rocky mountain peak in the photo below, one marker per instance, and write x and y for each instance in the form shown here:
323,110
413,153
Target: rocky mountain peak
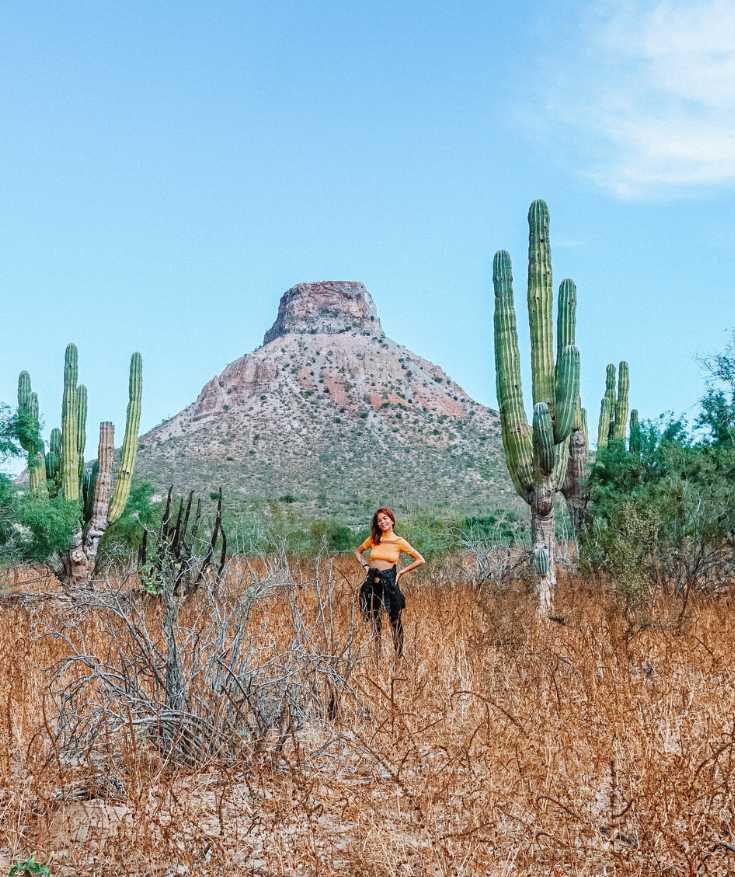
329,406
326,307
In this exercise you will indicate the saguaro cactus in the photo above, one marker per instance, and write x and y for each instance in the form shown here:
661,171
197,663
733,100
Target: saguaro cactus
53,458
91,489
70,426
30,438
636,438
614,409
100,506
537,456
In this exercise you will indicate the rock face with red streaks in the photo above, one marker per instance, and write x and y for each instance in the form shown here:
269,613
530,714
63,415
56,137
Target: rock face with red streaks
330,408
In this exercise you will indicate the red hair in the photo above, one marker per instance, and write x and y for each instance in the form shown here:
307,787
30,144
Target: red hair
374,528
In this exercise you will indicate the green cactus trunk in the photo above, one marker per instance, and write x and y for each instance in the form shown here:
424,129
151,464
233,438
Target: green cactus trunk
69,427
30,437
81,430
635,445
53,459
607,409
621,404
537,457
130,442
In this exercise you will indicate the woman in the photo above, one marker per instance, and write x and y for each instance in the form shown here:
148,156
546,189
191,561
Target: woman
381,586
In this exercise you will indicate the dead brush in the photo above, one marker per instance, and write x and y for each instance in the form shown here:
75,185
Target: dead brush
587,749
188,680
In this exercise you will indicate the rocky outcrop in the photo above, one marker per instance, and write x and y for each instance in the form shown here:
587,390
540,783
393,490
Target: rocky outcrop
328,307
329,406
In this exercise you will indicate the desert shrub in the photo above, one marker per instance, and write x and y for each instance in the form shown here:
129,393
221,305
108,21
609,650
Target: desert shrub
664,517
123,538
33,529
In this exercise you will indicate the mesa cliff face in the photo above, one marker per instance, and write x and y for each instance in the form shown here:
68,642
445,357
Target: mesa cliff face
330,408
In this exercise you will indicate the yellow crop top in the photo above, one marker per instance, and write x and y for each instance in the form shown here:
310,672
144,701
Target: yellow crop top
389,548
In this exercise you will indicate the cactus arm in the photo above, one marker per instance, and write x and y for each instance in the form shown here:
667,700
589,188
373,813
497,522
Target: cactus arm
567,393
514,425
566,320
130,442
69,452
621,405
543,439
540,305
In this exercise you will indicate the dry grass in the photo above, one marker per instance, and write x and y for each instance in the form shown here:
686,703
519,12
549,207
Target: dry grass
499,745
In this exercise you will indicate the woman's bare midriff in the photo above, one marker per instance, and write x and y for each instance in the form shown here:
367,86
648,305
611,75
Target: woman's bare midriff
380,564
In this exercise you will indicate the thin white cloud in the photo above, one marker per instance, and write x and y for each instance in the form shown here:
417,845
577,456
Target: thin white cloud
648,93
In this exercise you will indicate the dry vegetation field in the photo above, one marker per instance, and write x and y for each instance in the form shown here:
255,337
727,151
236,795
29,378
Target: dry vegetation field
499,745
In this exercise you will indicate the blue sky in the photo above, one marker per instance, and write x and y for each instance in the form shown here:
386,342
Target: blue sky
167,171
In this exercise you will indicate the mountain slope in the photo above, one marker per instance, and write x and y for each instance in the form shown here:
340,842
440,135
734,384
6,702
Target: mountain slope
330,408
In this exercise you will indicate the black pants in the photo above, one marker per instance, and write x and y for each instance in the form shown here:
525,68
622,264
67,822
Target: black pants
380,591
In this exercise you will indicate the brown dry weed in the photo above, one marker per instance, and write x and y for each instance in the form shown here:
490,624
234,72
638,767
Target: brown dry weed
499,745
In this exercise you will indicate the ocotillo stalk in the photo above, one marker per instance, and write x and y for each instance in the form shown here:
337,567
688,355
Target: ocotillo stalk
537,458
607,409
635,441
621,404
69,420
130,442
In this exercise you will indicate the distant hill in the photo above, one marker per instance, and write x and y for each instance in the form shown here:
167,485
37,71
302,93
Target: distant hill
330,410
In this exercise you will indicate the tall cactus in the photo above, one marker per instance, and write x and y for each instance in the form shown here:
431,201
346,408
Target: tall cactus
91,490
53,458
70,426
621,404
614,408
537,457
130,441
636,437
30,439
607,409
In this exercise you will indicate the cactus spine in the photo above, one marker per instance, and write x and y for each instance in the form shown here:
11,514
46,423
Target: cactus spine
537,457
130,441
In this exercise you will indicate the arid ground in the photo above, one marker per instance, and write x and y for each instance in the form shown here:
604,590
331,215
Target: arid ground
603,744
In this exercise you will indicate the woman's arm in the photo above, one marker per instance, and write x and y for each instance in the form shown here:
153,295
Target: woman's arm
418,559
363,546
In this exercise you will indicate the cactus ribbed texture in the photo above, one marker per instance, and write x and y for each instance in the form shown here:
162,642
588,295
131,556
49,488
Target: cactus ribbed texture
81,428
53,457
30,438
130,442
69,421
635,442
516,433
607,408
537,458
621,404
